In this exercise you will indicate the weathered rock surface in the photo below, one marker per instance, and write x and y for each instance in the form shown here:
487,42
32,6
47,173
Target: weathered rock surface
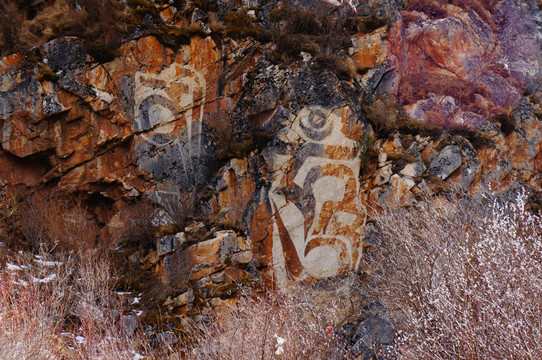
278,153
460,65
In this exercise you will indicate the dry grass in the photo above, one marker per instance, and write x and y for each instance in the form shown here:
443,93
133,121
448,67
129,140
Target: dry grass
386,118
138,231
304,317
435,8
52,221
462,278
239,25
415,87
101,23
297,30
10,21
62,307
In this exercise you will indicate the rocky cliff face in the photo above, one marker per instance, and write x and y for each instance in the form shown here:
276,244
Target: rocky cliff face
286,154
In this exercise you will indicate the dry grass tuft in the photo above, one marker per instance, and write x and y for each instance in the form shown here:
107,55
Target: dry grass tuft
386,117
462,278
415,87
297,30
295,323
52,221
62,307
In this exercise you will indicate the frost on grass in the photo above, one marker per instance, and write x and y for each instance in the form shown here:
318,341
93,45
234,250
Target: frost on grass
295,323
463,278
62,307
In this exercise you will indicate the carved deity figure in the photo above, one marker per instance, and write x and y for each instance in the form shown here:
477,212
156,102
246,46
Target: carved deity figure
318,218
168,117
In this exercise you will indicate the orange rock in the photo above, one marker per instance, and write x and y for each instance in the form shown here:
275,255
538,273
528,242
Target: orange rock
9,62
369,49
149,53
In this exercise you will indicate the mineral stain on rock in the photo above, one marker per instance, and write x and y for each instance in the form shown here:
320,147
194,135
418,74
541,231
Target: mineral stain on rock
282,153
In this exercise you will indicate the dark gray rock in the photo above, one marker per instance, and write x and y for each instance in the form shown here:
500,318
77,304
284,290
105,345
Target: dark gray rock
370,335
165,245
446,162
65,53
129,324
470,163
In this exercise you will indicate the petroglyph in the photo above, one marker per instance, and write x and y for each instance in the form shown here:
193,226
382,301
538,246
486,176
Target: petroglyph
168,115
318,217
162,99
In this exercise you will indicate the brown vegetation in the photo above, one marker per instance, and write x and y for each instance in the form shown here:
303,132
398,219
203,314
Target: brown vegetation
297,323
100,23
414,87
62,306
52,221
461,277
386,118
239,25
297,30
10,22
435,8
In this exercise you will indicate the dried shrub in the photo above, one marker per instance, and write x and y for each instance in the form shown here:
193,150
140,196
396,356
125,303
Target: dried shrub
102,24
304,317
207,6
435,8
63,308
386,117
414,87
9,217
216,25
139,229
236,142
54,221
189,202
507,123
44,25
366,24
312,31
432,8
10,22
461,277
240,24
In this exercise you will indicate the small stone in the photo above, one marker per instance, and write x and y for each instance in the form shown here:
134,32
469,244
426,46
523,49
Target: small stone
151,258
382,158
215,302
165,245
129,324
382,176
218,278
413,170
204,282
446,162
243,257
184,298
194,227
180,239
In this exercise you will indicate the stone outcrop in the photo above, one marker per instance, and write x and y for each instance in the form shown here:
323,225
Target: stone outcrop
280,153
459,66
